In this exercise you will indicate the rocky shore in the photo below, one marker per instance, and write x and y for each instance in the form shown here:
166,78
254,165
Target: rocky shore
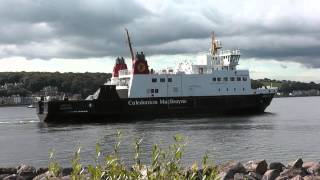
252,170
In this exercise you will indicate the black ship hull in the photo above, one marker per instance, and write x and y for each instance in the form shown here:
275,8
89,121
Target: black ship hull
114,109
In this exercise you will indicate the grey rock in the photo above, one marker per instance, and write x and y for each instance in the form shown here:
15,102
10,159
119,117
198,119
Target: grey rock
276,165
25,170
314,170
292,172
66,178
44,176
14,177
42,170
259,167
271,174
3,176
255,176
311,177
295,164
238,176
228,170
308,165
8,170
298,177
67,171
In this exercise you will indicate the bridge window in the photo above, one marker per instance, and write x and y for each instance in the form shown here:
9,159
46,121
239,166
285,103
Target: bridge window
154,80
214,79
232,79
238,78
169,79
162,80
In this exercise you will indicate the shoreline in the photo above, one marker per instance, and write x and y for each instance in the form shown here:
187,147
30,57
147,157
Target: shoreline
255,169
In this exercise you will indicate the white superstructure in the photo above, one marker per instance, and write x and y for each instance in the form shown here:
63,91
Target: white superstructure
214,74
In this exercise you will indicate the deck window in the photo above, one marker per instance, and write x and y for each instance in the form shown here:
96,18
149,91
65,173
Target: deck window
244,78
156,90
238,78
219,78
169,79
162,80
214,79
232,79
225,79
152,90
154,80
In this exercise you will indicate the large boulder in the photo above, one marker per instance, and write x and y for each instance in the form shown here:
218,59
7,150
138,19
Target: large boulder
298,177
311,177
254,175
14,177
276,165
314,170
8,170
295,164
42,170
28,172
259,167
292,172
44,176
307,165
66,171
271,174
228,170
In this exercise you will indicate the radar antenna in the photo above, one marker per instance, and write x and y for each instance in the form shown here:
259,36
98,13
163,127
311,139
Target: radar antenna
129,42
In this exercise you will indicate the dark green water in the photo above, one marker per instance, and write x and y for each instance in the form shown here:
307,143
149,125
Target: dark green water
290,128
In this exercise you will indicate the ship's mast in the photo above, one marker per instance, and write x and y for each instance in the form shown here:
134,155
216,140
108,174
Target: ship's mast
215,45
129,42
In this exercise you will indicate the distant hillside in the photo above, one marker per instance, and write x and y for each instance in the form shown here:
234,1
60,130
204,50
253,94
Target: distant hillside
32,82
87,83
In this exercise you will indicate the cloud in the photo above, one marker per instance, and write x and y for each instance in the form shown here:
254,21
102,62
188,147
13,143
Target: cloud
286,31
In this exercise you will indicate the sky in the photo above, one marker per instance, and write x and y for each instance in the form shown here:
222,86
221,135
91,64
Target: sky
277,39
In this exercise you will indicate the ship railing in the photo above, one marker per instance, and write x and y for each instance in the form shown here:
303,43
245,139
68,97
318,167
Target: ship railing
164,71
230,52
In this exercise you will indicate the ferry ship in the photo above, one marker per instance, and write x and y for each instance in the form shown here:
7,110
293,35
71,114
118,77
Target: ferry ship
212,85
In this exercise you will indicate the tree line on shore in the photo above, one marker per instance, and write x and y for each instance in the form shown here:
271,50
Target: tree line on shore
33,82
88,83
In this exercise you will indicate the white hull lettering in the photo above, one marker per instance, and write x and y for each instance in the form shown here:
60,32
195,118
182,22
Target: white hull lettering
155,102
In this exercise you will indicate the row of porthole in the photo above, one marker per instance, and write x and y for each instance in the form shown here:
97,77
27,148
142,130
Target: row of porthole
234,89
231,79
152,91
154,80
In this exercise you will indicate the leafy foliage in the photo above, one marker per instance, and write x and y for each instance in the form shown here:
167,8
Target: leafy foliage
74,83
165,164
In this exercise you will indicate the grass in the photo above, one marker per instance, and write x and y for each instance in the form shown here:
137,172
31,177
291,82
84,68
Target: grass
165,164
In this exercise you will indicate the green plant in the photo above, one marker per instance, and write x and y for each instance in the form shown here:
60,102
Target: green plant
53,166
77,169
96,171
